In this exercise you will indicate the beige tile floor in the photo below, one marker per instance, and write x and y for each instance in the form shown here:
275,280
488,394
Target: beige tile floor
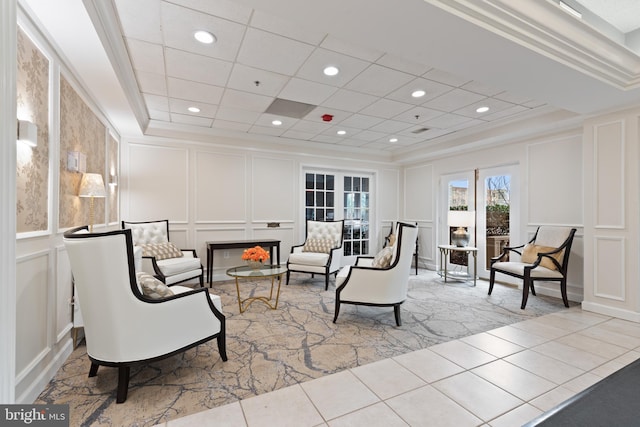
503,377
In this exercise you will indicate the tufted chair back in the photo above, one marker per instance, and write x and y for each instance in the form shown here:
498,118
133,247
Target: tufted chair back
331,230
148,232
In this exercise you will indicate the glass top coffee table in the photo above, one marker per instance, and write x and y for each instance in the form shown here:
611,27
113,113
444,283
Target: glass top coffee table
265,272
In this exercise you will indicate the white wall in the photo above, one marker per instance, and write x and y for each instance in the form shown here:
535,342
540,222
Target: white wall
213,192
612,186
550,191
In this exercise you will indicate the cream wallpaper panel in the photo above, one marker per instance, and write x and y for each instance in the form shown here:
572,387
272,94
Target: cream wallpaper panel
32,166
418,192
80,130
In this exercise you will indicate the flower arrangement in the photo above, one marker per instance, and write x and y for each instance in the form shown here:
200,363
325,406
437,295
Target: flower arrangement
257,253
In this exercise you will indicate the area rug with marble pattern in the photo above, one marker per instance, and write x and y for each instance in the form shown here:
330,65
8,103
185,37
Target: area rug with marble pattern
271,349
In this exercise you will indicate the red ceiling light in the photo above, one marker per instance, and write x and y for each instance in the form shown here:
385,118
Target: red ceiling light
327,117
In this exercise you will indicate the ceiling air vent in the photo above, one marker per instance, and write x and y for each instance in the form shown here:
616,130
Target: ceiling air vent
419,130
287,108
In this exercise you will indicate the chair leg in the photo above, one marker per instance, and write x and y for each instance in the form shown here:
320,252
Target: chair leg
533,289
123,383
492,277
525,292
326,282
288,273
563,291
93,371
396,312
202,280
222,345
337,310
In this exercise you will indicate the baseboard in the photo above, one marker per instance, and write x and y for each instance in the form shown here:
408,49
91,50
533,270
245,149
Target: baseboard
631,316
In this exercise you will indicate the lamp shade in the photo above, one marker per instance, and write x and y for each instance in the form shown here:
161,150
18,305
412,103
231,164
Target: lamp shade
92,185
461,218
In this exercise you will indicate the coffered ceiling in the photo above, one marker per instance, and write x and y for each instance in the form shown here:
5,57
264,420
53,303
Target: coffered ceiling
463,54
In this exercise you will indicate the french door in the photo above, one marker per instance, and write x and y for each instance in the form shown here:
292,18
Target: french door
334,195
458,194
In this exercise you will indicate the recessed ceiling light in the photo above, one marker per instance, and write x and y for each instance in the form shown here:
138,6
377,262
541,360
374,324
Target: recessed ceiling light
418,93
331,70
204,37
276,122
393,140
341,132
482,109
194,109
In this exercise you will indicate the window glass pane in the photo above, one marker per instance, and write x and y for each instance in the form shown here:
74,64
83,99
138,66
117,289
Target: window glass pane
365,234
309,198
329,201
356,248
309,181
356,184
319,214
330,215
347,248
319,198
364,215
330,183
347,183
364,200
319,182
309,213
365,184
356,200
365,246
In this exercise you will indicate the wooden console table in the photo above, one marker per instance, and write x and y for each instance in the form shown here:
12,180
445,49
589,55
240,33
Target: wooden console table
239,244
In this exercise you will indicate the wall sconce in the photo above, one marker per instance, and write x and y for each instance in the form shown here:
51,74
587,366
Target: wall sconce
92,186
461,219
28,133
113,181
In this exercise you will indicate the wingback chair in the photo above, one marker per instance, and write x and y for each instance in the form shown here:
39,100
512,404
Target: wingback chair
544,258
382,280
124,324
160,257
321,252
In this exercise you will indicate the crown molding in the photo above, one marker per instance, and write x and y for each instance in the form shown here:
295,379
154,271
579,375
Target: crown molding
543,27
104,17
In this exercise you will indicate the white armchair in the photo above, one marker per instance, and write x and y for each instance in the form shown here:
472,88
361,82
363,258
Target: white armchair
123,326
382,280
160,257
321,252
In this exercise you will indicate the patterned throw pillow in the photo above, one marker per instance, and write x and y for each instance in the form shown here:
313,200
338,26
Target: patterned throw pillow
161,250
152,287
530,255
383,258
318,245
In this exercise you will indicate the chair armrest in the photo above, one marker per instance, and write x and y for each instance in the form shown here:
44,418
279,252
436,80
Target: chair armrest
189,252
505,252
297,248
364,261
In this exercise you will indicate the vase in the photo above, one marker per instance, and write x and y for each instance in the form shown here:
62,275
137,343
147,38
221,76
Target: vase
256,265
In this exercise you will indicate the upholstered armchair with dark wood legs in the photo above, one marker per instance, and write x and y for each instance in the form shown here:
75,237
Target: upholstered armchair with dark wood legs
321,252
134,318
544,258
160,257
382,280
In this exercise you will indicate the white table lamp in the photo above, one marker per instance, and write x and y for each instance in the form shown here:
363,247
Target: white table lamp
461,219
92,186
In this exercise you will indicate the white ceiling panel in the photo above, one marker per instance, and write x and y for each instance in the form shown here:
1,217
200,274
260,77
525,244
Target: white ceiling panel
349,100
306,91
189,66
369,135
361,121
386,108
146,56
267,119
181,106
191,120
152,83
390,126
286,28
227,9
250,101
432,89
309,126
480,88
494,105
313,68
379,81
360,52
445,78
271,52
402,64
418,115
266,130
446,120
453,100
140,19
257,81
156,102
237,115
194,91
296,134
162,116
223,124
